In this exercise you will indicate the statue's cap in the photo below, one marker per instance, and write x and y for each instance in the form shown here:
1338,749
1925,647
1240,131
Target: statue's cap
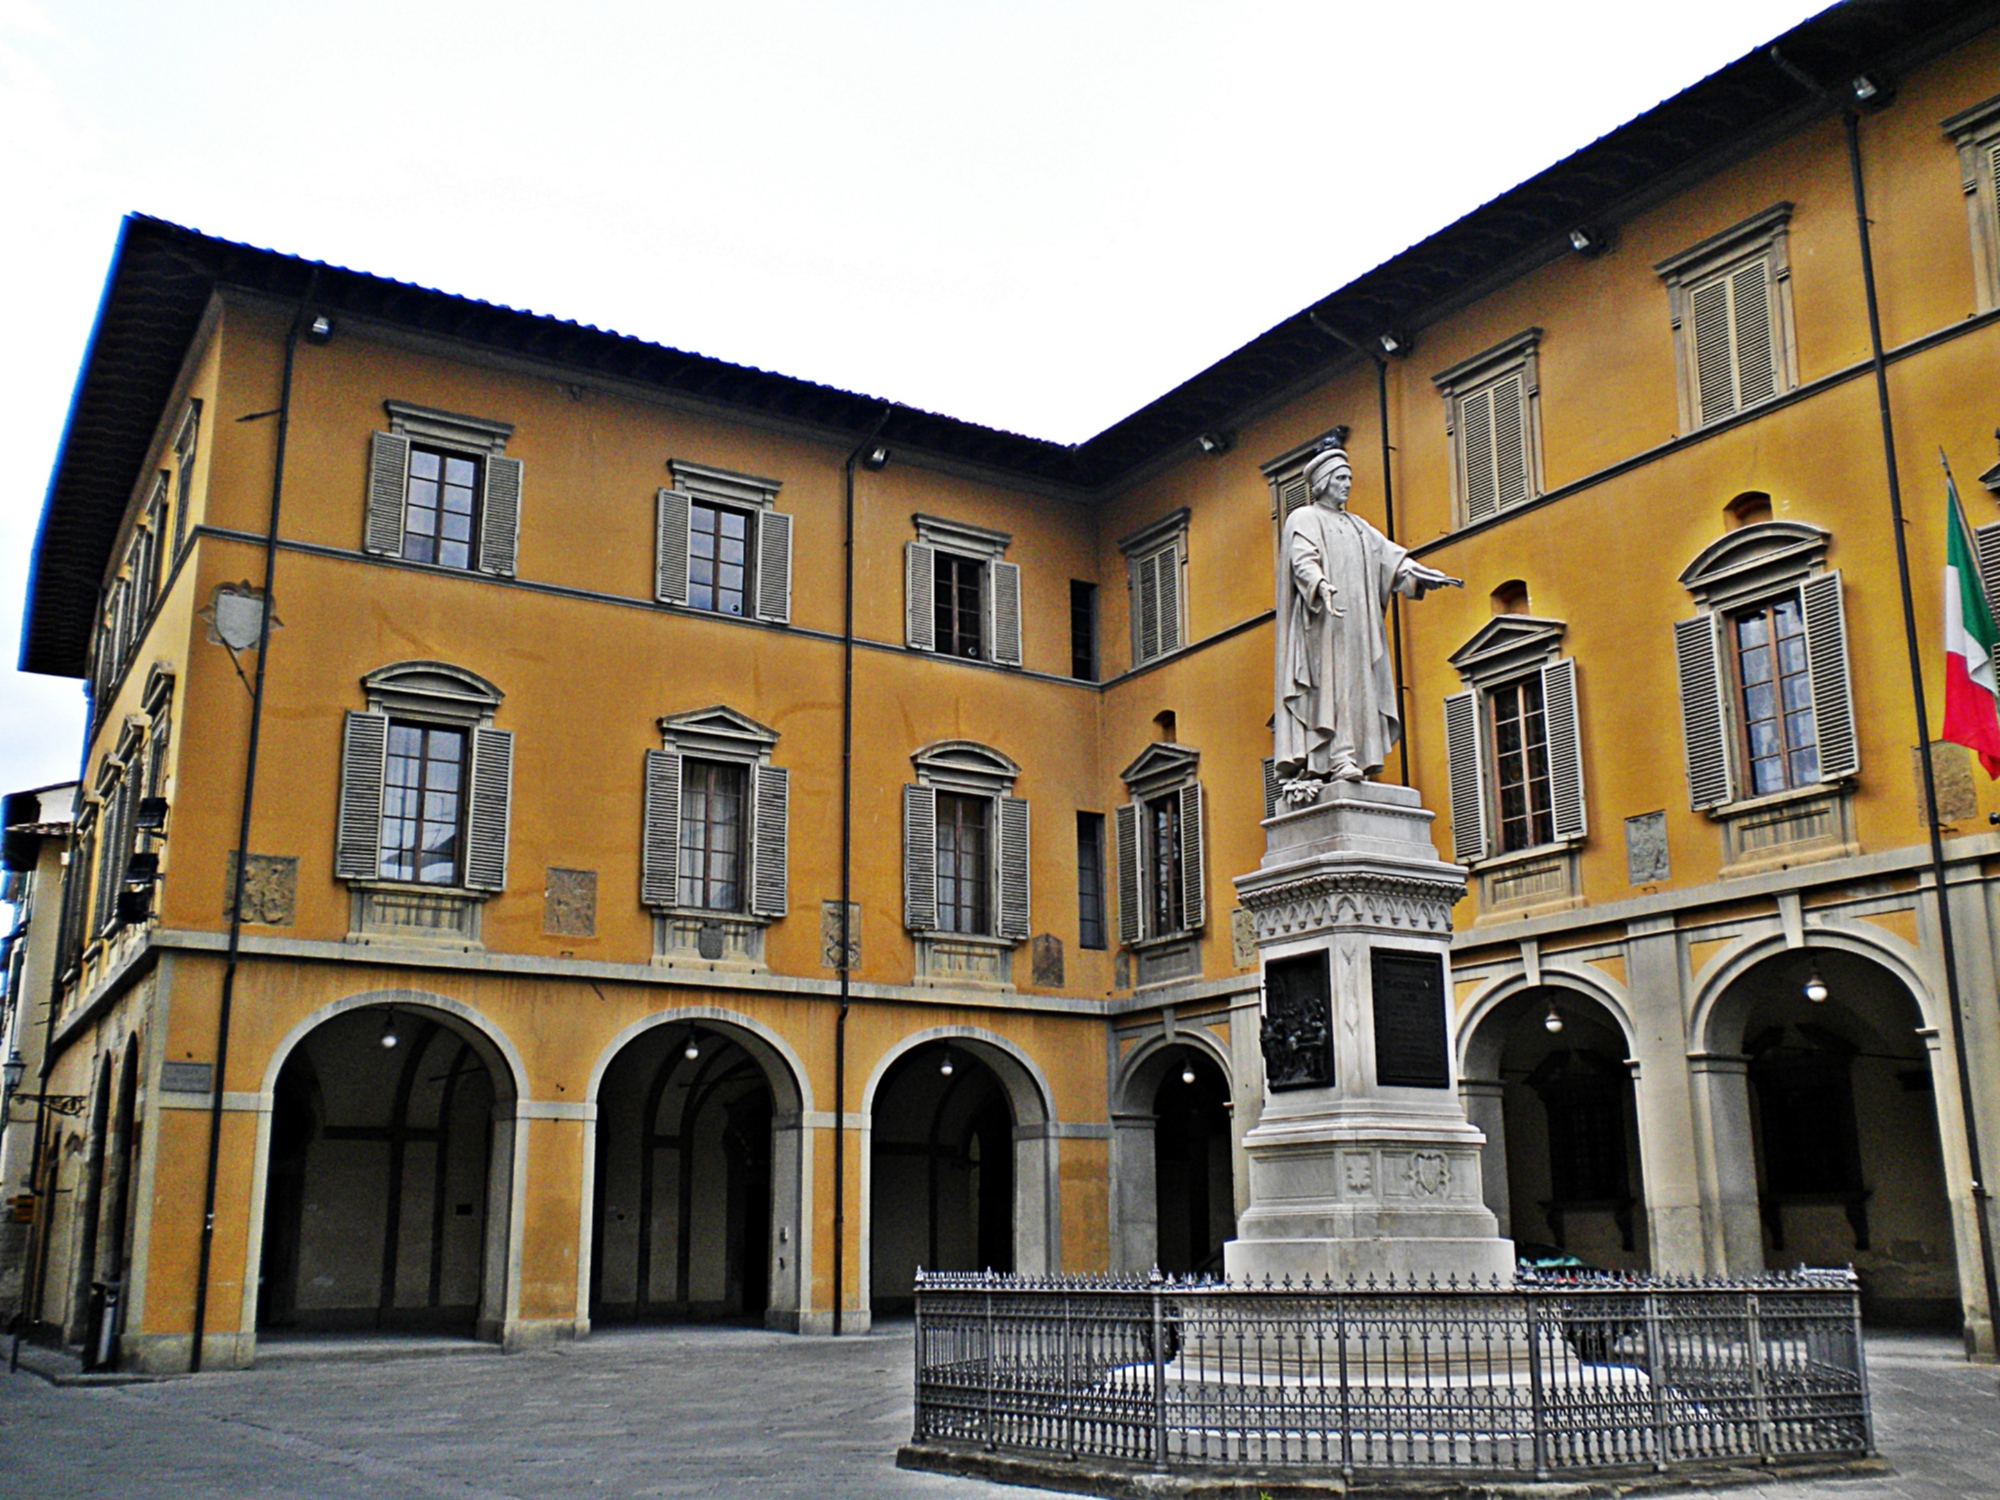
1324,460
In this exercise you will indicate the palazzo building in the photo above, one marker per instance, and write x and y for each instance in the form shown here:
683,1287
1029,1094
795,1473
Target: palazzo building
716,843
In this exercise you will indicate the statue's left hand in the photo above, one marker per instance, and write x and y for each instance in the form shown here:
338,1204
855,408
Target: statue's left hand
1431,578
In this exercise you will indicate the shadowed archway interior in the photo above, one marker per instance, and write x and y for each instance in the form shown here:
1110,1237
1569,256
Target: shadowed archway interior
683,1207
1191,1152
943,1171
376,1200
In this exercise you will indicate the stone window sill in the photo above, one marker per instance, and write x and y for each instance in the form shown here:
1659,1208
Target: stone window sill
1801,825
964,960
714,942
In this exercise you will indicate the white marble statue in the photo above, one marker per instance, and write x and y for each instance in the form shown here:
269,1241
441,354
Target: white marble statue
1337,716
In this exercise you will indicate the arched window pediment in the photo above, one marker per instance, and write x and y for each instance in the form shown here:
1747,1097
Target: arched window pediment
432,690
965,765
1754,558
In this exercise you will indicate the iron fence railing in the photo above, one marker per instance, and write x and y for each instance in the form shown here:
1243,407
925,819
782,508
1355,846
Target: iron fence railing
1549,1374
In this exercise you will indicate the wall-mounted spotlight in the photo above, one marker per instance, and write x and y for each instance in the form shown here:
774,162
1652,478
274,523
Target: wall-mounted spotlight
1868,92
1214,444
1394,342
319,330
1815,987
1588,239
875,456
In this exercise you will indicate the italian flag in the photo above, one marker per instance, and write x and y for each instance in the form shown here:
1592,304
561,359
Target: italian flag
1971,692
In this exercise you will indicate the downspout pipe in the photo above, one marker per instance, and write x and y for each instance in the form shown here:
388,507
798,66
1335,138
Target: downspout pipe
234,949
846,870
1981,1198
1388,522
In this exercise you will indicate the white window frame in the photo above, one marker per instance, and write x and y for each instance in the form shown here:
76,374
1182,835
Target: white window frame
1508,373
1157,552
999,587
1760,240
1976,134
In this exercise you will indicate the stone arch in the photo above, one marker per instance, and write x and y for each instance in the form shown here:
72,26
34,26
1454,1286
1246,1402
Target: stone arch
87,1213
1711,1015
792,1222
1491,995
1036,1204
1139,1071
500,1297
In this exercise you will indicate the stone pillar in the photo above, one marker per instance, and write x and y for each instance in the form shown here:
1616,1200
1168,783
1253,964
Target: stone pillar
1485,1107
1135,1186
1662,1094
1363,1162
1726,1162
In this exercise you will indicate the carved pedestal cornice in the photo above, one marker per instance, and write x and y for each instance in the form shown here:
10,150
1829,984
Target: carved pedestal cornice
1328,899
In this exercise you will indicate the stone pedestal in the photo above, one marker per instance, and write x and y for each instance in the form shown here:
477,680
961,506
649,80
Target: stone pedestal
1363,1162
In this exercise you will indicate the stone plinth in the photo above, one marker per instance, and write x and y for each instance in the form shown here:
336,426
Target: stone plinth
1363,1162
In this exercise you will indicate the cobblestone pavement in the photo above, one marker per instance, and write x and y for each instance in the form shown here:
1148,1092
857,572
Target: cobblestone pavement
684,1412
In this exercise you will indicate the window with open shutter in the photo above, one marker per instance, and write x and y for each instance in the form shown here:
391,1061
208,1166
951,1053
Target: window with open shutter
364,750
774,567
771,796
492,782
500,519
919,858
1194,885
1492,404
1006,624
186,443
1013,868
1986,551
1976,133
670,557
1467,783
1703,732
1832,695
919,578
660,844
1155,567
1131,923
1565,748
388,479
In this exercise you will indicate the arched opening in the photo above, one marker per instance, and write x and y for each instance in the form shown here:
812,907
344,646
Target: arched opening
1546,1078
694,1209
1839,1094
1510,598
943,1171
90,1210
1195,1195
121,1170
380,1188
1747,509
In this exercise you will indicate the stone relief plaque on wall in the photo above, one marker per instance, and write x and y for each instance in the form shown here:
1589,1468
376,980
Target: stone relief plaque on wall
1298,1023
1409,1019
1046,955
1646,849
569,903
270,888
1957,796
829,934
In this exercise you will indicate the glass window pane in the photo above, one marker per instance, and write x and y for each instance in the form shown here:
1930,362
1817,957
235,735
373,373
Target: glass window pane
423,464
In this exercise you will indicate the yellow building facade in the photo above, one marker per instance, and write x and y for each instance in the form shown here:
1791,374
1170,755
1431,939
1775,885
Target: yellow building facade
595,676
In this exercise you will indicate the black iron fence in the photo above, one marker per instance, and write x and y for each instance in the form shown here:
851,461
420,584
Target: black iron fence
1547,1375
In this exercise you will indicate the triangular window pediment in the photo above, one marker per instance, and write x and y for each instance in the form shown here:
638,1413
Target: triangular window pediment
1507,645
717,730
1160,765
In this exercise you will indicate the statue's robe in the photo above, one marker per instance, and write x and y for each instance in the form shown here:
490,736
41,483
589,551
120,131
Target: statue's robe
1336,689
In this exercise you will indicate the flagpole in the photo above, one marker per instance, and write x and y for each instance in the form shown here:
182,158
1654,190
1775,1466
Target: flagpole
1948,949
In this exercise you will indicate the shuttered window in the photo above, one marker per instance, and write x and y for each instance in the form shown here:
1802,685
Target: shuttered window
423,791
1162,889
424,803
965,863
957,606
1735,356
963,606
718,565
1492,431
1515,763
1155,581
1766,702
715,836
963,876
185,445
448,506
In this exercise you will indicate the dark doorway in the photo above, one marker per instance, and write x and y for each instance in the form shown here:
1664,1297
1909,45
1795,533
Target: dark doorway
375,1208
1191,1154
942,1170
683,1208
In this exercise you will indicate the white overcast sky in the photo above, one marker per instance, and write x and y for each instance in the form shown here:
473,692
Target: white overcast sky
1033,215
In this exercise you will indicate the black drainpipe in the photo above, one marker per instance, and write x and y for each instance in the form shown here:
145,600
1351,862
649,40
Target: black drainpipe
1959,1019
1388,523
284,414
846,877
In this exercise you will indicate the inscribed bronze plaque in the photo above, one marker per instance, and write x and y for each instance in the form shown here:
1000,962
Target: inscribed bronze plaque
1298,1023
1409,1019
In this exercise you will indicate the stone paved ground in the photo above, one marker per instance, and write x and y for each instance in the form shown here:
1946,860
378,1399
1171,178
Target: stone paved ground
684,1412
